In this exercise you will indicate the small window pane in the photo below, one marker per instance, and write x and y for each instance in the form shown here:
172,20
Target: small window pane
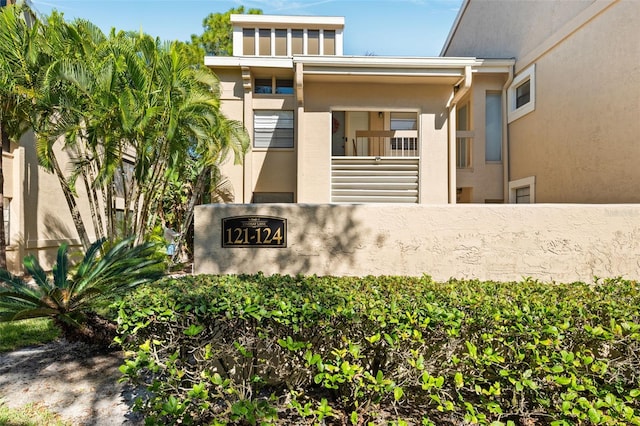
523,195
265,42
523,94
296,42
404,121
284,87
329,44
248,41
313,42
281,42
263,86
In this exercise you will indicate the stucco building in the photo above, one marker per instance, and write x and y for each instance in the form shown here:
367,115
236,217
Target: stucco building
329,128
573,102
550,117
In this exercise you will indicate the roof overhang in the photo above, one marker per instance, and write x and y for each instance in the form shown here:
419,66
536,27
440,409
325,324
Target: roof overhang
288,21
248,61
405,67
368,68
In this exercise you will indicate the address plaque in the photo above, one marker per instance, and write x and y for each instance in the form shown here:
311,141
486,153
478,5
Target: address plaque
254,231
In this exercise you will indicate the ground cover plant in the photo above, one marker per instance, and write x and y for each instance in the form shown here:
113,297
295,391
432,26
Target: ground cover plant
383,350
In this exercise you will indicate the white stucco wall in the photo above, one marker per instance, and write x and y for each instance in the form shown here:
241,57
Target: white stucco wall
563,243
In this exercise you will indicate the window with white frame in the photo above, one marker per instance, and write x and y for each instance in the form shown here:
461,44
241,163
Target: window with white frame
271,85
522,94
273,129
523,191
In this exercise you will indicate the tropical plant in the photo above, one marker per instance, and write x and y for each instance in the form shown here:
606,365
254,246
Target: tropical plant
71,295
131,111
19,64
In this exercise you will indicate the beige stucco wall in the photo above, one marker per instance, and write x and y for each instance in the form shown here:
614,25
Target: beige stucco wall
581,142
428,100
564,243
305,170
508,28
39,216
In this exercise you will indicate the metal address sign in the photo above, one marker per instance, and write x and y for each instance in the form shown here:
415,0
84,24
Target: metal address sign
254,231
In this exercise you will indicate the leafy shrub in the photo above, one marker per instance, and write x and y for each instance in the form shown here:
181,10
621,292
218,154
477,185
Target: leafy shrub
256,349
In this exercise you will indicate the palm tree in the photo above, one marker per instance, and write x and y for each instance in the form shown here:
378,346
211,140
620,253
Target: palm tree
70,298
19,66
118,102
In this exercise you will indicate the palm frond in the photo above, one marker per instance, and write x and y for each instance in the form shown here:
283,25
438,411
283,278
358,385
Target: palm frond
60,269
37,273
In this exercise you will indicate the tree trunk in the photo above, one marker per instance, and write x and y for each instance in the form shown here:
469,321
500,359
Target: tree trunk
4,144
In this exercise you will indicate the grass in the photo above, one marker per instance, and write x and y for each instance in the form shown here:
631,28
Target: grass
29,415
20,334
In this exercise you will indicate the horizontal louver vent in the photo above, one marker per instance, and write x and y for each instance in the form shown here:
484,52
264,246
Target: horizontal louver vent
273,129
371,180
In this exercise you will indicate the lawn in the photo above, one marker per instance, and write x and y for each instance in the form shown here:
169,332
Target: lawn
20,334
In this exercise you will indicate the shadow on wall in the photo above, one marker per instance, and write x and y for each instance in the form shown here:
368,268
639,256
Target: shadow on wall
322,239
54,232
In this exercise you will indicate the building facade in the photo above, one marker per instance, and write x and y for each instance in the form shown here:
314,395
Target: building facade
573,102
329,128
552,119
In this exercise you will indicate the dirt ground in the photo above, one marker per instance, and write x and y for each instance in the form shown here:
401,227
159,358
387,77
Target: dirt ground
71,380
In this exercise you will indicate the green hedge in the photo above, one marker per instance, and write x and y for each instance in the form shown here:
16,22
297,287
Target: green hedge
386,350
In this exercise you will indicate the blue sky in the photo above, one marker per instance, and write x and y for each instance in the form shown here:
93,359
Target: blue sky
391,27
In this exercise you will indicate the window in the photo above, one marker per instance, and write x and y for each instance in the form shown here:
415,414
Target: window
7,220
248,41
284,86
404,121
272,197
463,138
522,191
521,95
273,129
263,86
493,127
